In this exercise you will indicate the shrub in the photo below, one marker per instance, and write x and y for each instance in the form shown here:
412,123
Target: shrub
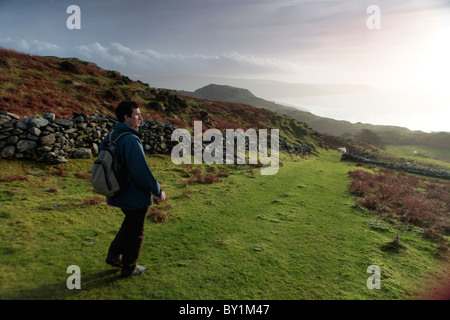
53,189
157,215
59,171
211,178
179,123
112,95
197,174
223,173
186,194
198,177
93,201
13,177
212,169
69,67
410,199
80,175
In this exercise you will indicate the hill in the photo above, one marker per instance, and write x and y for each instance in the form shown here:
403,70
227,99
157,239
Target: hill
232,94
388,135
263,88
34,85
225,232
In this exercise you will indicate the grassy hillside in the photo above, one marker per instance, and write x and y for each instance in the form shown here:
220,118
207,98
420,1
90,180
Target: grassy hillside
32,85
295,235
225,232
415,156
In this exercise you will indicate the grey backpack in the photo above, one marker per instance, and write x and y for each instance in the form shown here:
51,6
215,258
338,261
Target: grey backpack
109,176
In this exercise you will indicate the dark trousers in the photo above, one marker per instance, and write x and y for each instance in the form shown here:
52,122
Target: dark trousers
128,241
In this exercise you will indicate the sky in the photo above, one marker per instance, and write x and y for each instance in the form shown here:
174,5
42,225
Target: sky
391,45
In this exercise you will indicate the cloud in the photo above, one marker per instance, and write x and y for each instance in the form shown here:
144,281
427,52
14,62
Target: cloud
136,63
95,52
116,55
33,47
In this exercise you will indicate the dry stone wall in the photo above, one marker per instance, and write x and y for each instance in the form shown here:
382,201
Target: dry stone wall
422,171
52,140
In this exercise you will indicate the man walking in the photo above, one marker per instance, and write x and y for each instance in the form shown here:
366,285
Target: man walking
136,198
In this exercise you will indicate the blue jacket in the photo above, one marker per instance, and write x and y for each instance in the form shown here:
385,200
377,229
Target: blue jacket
143,184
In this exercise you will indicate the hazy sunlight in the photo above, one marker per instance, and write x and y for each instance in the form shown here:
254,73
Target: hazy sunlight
434,69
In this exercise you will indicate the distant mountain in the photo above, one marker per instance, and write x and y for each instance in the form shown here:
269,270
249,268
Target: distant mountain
240,95
232,94
265,89
389,135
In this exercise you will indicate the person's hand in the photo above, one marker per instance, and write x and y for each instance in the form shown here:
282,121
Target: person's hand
160,199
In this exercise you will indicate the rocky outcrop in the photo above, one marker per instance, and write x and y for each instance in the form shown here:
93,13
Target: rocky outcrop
302,149
52,140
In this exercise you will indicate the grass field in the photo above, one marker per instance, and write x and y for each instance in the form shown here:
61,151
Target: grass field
423,154
294,235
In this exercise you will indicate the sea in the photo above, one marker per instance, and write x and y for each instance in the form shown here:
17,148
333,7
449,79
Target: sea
425,111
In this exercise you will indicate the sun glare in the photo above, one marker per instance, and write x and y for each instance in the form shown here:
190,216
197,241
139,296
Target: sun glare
433,71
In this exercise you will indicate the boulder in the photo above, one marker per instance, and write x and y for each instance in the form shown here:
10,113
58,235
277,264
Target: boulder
34,131
21,125
26,146
10,114
64,123
82,153
49,116
47,140
12,140
8,152
39,121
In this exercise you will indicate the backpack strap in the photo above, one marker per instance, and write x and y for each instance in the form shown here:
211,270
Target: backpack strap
120,136
117,140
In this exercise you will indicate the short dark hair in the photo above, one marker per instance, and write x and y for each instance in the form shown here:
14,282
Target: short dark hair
125,108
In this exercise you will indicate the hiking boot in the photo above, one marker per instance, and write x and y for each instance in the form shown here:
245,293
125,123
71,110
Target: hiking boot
133,272
114,261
